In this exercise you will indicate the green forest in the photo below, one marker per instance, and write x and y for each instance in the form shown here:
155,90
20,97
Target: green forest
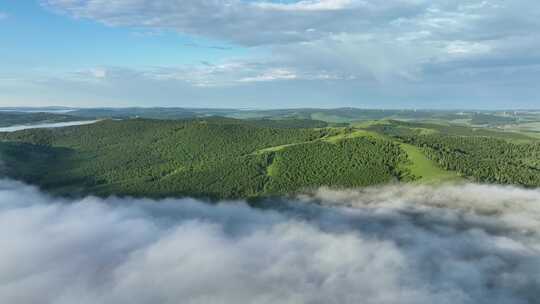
484,159
215,157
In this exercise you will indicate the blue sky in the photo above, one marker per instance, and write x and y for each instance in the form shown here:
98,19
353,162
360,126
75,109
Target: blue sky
271,54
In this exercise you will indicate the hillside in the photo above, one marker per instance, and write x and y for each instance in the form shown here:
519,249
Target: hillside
229,158
480,154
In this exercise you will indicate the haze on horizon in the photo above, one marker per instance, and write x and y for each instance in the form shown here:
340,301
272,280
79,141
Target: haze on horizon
436,54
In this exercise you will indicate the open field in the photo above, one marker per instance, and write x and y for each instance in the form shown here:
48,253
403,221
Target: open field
425,170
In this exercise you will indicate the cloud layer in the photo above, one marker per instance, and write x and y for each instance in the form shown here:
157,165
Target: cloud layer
429,53
403,244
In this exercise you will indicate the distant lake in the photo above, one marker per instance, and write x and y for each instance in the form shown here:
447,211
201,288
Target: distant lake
47,125
37,111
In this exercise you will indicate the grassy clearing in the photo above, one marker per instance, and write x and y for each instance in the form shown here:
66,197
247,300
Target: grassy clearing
531,127
425,170
532,134
280,147
368,123
348,135
329,118
343,135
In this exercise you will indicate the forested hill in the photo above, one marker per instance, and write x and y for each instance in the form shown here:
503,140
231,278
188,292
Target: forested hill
229,158
201,157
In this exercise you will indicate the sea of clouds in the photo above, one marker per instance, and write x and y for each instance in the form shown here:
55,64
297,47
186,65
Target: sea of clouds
393,244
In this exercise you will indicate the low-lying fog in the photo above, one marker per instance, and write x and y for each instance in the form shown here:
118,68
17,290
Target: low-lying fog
397,244
47,125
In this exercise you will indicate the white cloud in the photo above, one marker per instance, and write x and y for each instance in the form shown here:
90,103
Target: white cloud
382,51
98,73
464,48
398,244
272,74
428,31
310,5
248,23
229,73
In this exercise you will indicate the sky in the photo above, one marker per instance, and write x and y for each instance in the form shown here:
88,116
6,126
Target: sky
271,54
